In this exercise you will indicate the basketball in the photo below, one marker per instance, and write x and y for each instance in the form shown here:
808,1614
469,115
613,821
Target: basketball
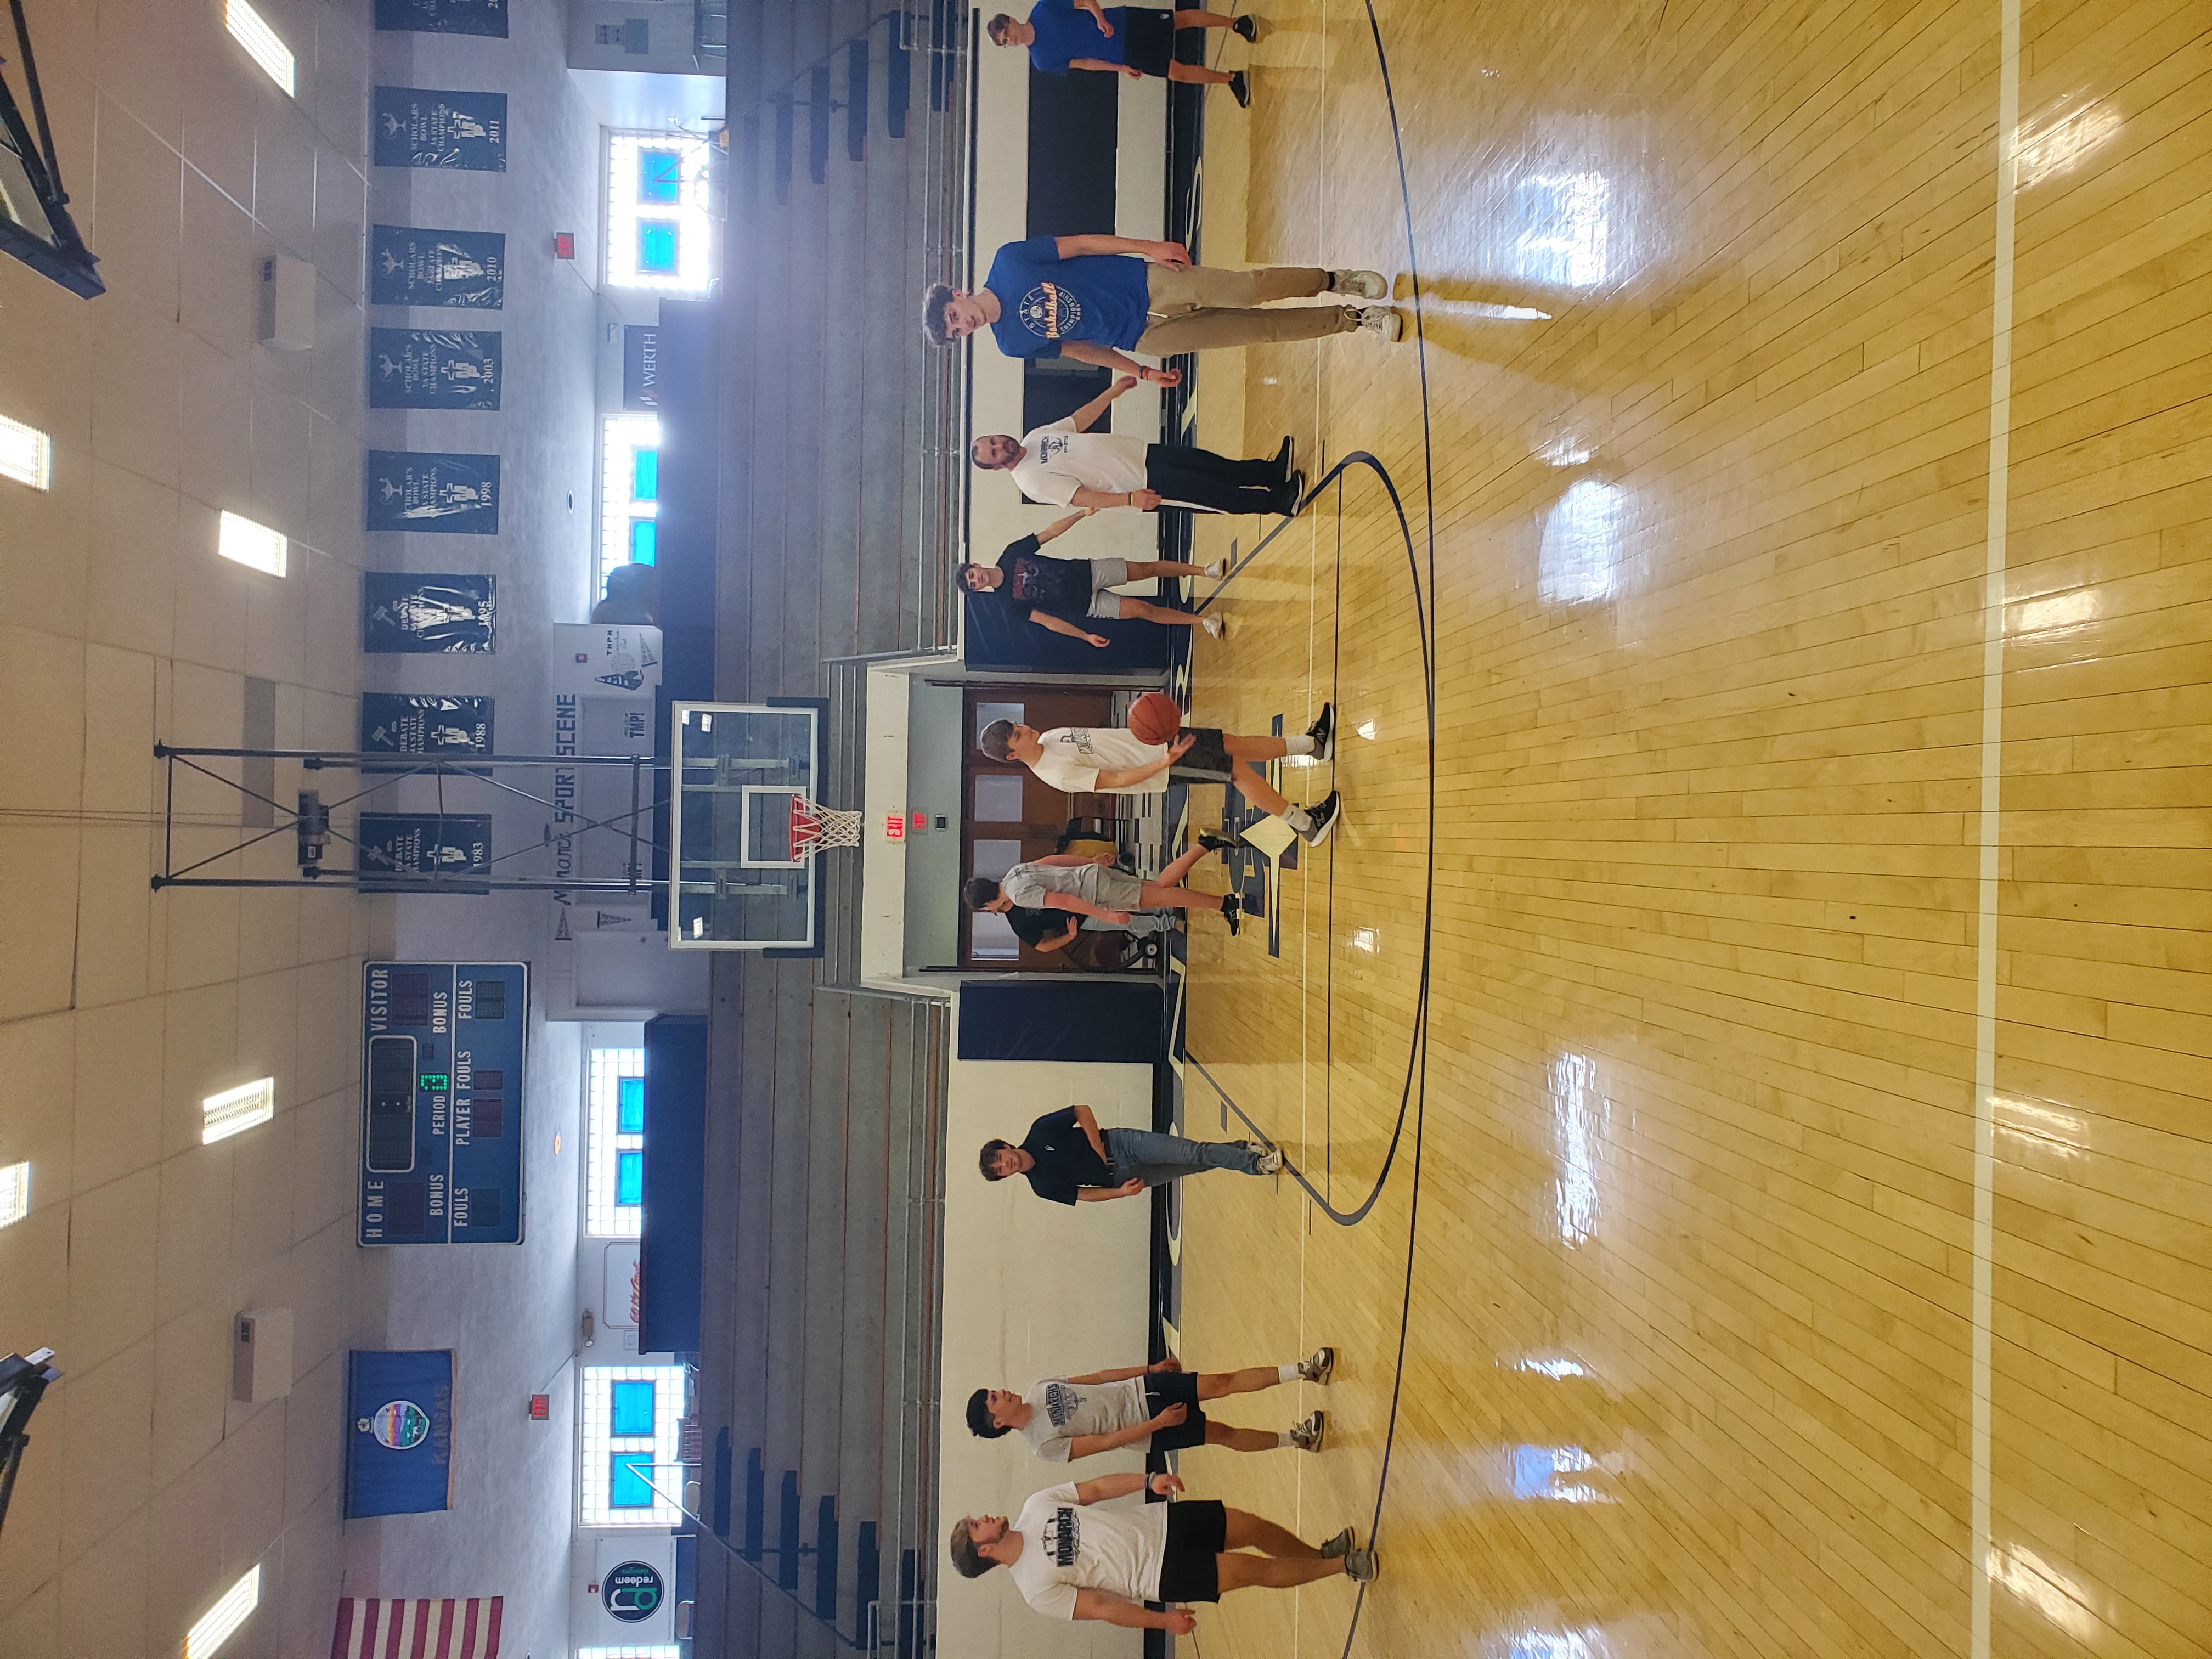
1154,718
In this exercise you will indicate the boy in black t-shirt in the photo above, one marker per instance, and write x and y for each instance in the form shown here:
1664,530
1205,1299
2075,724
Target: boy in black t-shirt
1067,1158
1053,592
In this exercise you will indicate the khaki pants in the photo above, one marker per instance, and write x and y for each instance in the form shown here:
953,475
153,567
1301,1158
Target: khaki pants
1200,309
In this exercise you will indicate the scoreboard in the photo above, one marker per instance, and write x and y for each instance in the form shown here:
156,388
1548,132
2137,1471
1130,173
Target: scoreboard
442,1101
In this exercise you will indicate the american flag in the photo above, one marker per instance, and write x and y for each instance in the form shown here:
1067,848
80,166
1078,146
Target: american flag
398,1627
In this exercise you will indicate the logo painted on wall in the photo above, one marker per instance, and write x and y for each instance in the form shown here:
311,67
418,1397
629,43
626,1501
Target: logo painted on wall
632,1592
399,1425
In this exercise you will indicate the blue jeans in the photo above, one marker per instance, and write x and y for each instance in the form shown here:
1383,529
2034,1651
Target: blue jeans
1155,1159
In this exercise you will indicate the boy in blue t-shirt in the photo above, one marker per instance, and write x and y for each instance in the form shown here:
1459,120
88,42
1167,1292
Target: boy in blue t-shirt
1133,40
1096,298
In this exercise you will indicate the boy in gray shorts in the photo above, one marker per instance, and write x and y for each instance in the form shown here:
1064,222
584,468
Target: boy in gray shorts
1093,887
1055,593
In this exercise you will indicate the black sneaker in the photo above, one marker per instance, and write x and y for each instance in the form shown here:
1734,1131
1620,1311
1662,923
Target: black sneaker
1240,88
1231,910
1293,492
1284,457
1247,27
1323,816
1217,843
1324,734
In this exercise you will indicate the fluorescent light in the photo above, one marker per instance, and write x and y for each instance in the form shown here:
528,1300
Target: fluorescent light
15,1194
249,543
235,1110
219,1621
248,28
26,454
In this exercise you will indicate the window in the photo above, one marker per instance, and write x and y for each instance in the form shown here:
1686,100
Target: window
998,798
614,1154
629,1473
629,492
659,234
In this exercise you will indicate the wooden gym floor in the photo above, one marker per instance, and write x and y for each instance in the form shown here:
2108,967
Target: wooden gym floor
1814,1245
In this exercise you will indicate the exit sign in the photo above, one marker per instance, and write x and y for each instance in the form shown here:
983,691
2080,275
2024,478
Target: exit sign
894,827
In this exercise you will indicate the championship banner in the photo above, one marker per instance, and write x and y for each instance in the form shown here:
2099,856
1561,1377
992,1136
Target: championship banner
443,17
451,1629
408,266
429,369
413,723
435,492
423,844
427,613
399,1452
415,127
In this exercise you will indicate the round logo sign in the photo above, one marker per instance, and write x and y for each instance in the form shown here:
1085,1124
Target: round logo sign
632,1592
400,1425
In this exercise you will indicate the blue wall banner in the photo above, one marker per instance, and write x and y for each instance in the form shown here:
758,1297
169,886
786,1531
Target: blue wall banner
432,369
640,366
425,613
411,723
408,266
423,844
399,1443
443,1046
432,491
443,16
1083,1020
416,127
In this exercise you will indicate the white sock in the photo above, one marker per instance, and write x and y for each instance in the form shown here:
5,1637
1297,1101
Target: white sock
1283,1440
1297,818
1287,1373
1301,744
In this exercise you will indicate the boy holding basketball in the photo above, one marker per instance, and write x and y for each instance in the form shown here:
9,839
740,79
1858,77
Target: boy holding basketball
1142,760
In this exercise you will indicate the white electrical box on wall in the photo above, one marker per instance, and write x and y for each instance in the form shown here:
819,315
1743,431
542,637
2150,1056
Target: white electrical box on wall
288,303
261,1355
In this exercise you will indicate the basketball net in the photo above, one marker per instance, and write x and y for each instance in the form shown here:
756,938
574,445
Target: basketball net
814,827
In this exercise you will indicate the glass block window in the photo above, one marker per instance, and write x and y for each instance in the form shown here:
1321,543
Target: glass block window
659,234
645,475
614,1157
629,494
629,1474
629,1105
644,542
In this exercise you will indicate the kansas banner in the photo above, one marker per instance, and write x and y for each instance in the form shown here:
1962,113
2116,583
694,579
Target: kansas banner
432,491
415,127
408,266
399,1450
451,1629
443,16
431,368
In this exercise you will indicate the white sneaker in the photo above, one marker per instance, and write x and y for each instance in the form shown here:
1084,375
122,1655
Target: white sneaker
1382,320
1270,1159
1363,284
1215,626
1214,571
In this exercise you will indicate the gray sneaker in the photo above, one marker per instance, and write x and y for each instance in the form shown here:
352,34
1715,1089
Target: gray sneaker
1360,284
1265,1160
1339,1546
1362,1566
1383,321
1319,1367
1310,1435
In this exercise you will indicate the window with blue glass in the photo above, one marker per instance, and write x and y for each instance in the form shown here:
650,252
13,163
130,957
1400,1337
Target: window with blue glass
660,175
629,1178
630,1409
630,1480
656,249
645,475
644,542
629,1106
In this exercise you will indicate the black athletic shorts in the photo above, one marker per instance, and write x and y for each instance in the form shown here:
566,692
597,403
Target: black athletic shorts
1206,761
1150,43
1167,1388
1197,1531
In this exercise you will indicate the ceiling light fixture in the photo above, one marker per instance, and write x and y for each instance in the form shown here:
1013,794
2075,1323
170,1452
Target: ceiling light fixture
252,31
26,454
236,1110
222,1620
255,545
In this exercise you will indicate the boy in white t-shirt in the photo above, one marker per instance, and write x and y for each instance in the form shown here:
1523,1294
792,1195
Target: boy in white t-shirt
1159,1407
1071,1561
1113,760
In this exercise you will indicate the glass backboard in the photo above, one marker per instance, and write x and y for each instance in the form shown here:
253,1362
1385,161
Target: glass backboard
734,883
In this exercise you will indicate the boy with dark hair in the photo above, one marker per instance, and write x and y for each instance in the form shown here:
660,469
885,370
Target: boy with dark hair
1094,887
1133,40
1157,1406
1071,1562
1069,1159
1054,591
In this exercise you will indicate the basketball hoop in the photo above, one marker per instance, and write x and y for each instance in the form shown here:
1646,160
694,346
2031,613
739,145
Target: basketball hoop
814,827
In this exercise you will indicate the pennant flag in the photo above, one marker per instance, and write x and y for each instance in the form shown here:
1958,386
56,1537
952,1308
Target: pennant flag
398,1627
